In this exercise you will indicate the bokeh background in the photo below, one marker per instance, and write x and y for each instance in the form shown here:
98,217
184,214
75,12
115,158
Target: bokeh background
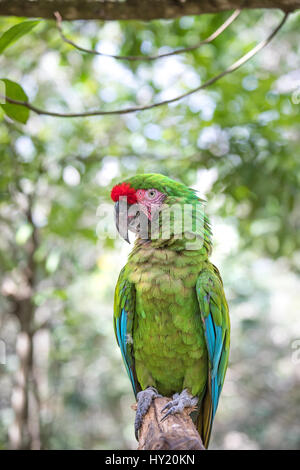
63,385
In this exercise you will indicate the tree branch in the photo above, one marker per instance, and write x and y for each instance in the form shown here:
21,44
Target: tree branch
133,109
177,432
211,38
132,9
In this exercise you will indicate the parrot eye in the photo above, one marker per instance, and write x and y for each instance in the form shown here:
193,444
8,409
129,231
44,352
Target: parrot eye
151,193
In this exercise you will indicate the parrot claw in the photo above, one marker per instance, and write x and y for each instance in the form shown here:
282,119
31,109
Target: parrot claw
170,403
179,402
170,412
144,400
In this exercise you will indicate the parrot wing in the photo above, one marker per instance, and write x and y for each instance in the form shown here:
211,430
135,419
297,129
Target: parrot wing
124,310
216,325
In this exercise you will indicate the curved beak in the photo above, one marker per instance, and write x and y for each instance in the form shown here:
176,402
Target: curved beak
121,220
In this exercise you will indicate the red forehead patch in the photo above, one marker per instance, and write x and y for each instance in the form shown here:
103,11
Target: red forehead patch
123,189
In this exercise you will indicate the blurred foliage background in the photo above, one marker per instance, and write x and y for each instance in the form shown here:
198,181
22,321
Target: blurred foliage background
64,385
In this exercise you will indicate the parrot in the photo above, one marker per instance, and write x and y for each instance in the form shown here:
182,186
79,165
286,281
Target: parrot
171,317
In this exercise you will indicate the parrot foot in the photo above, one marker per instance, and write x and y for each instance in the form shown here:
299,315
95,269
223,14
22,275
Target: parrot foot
144,400
179,402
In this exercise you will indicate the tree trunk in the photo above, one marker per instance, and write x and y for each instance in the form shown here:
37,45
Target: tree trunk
132,9
20,436
177,432
24,431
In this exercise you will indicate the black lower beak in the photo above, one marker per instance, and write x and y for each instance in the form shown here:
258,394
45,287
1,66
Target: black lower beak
121,220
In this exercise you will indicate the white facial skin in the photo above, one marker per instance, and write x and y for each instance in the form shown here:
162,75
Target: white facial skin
148,203
149,200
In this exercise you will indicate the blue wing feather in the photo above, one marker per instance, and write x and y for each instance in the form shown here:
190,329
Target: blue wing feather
124,310
217,350
215,319
210,335
214,345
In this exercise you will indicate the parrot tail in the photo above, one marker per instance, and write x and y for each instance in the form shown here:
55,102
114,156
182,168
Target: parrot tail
205,419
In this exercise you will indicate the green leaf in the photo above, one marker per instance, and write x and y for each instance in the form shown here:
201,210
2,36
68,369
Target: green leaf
16,32
15,91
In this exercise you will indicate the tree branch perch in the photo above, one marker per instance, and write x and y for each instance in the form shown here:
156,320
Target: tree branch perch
132,9
177,432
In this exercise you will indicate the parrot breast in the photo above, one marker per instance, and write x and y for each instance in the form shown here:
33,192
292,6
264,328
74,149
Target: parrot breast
169,345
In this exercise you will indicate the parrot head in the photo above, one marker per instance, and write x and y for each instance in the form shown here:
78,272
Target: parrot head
141,200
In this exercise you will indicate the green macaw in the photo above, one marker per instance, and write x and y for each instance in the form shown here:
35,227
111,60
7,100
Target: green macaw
170,313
